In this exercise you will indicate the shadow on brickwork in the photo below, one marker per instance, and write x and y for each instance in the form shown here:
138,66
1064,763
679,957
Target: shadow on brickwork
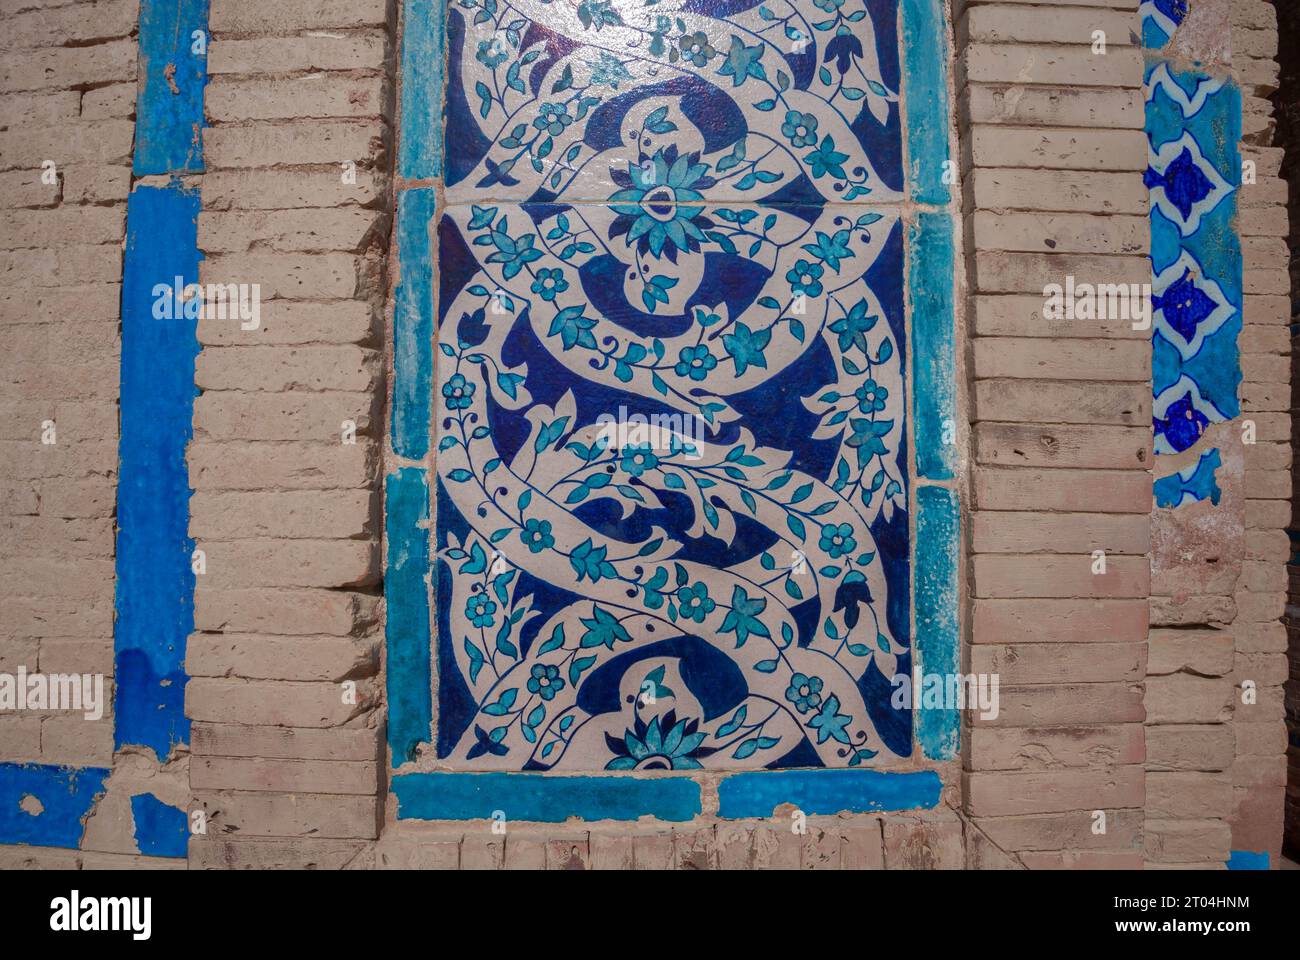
1286,108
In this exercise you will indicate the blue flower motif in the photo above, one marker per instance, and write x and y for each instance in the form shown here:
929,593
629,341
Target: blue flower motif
553,118
804,692
805,277
1183,182
695,602
638,459
830,6
1184,305
854,326
536,535
1182,424
492,53
589,560
545,680
830,248
746,346
743,62
648,747
837,540
548,282
742,619
457,391
479,608
696,48
660,207
800,128
843,48
695,362
830,723
871,396
827,160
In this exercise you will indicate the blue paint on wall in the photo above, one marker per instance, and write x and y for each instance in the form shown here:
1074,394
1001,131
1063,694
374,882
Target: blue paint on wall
169,105
409,675
539,798
757,794
161,830
925,84
1248,860
423,35
413,324
66,796
938,546
930,280
155,582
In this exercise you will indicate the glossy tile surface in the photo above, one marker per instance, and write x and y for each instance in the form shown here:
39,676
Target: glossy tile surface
672,482
673,101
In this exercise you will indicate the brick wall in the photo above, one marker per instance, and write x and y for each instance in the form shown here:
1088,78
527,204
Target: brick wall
284,462
67,107
1258,770
1054,151
1287,112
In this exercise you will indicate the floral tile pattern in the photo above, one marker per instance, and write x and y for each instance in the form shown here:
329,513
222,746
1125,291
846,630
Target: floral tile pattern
1192,124
672,481
792,101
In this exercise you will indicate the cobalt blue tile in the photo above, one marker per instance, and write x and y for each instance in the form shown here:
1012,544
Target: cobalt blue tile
792,101
672,488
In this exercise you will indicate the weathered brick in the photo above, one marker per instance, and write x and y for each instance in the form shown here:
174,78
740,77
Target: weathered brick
1183,698
1081,491
215,853
1059,620
283,775
302,743
289,612
242,17
288,514
1186,841
1189,747
280,658
1056,791
1036,575
302,815
1031,532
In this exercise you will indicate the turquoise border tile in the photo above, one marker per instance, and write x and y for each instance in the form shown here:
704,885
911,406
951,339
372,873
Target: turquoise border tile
938,555
409,672
423,45
413,324
534,797
754,795
925,84
931,282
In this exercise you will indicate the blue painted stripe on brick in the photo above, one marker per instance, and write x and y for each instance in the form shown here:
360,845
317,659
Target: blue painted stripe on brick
161,830
1248,860
423,42
931,283
938,546
155,583
409,674
539,798
169,104
925,84
757,794
413,324
66,796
